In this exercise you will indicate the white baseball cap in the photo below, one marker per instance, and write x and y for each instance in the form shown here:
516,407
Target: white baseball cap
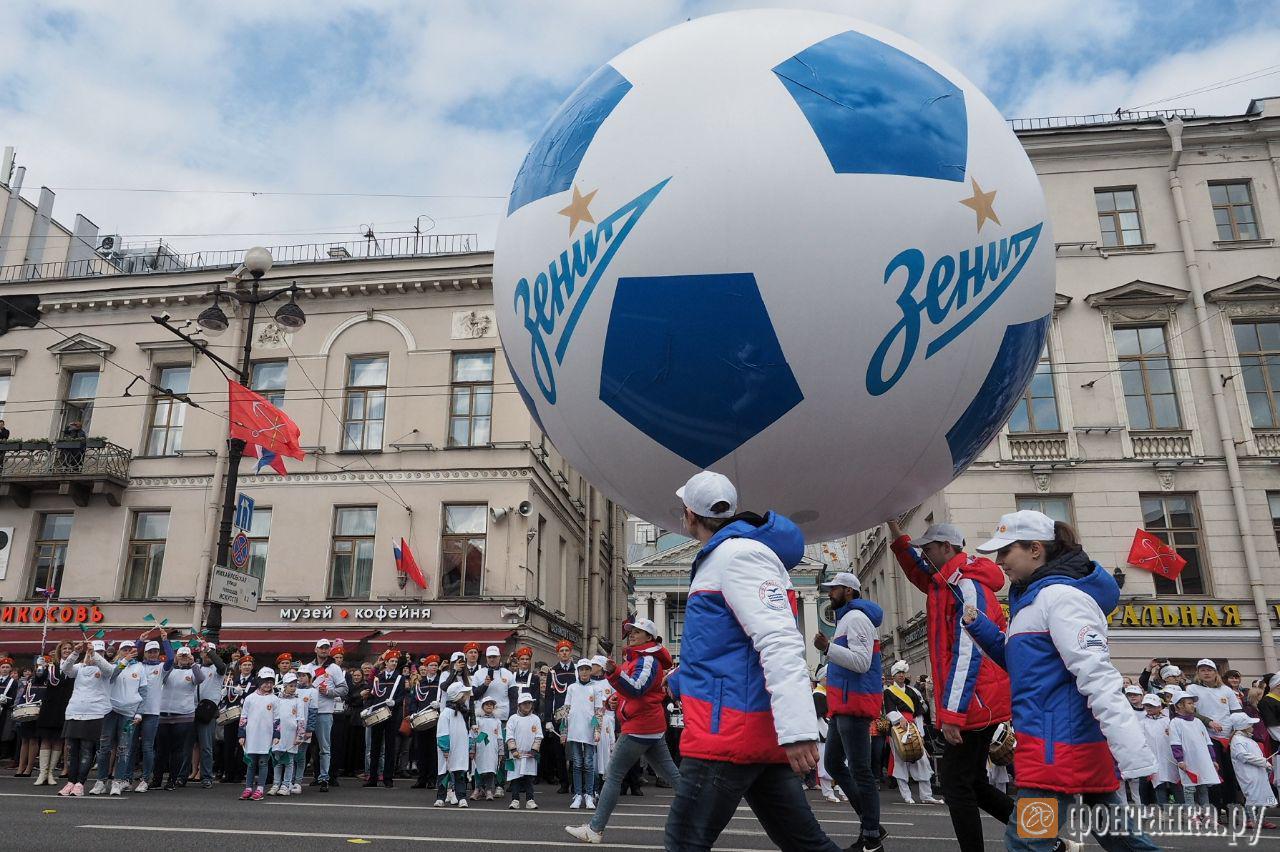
599,660
647,625
1026,525
900,666
128,643
289,677
323,643
455,689
307,669
1132,690
153,645
584,662
489,700
457,655
1207,663
1241,721
98,645
492,651
1182,693
523,698
1150,700
846,579
1275,680
266,673
1170,671
183,649
710,495
950,533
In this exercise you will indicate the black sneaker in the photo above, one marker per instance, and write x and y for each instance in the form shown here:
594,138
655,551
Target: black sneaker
206,784
324,786
169,788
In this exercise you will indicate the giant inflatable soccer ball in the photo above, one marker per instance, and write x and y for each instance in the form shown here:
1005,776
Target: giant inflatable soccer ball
787,246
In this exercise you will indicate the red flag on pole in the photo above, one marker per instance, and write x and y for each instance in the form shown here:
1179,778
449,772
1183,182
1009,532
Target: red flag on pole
1151,554
406,563
256,421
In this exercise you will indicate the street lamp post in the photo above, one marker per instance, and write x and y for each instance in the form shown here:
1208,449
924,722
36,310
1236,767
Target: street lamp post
290,316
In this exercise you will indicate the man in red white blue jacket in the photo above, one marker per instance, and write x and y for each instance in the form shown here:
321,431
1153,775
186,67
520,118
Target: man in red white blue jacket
750,726
971,693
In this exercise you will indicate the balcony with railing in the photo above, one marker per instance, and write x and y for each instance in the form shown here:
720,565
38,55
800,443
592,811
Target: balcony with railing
79,469
1038,446
1168,444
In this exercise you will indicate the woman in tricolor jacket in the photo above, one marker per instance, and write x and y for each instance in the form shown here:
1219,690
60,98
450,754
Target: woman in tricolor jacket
1077,734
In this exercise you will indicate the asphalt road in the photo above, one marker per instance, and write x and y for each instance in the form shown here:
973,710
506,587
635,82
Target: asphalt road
34,819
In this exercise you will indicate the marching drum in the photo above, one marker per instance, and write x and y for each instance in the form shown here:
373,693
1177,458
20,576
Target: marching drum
908,745
376,715
229,715
28,712
424,718
1003,744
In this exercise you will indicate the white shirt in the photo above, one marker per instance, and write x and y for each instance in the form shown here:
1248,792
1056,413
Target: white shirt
583,700
1216,703
1193,736
291,711
497,689
258,721
1156,731
91,696
154,673
526,733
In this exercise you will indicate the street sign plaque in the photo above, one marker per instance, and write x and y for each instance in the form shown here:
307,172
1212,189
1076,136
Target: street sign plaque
234,588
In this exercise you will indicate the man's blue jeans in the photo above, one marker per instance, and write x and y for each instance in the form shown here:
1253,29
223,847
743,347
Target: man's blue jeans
115,739
708,795
147,733
849,738
323,737
200,732
1116,840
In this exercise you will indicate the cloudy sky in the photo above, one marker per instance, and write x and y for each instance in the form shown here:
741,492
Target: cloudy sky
342,115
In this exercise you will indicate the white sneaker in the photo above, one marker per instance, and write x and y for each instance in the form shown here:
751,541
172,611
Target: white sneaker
908,801
584,833
439,803
283,791
296,789
531,805
274,790
141,788
452,798
498,793
98,789
118,787
932,801
831,797
576,803
462,803
514,806
590,803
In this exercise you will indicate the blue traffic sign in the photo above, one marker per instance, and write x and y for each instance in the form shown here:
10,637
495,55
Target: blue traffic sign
244,512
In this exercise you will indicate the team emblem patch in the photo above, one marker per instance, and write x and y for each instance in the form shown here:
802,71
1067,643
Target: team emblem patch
1090,639
773,595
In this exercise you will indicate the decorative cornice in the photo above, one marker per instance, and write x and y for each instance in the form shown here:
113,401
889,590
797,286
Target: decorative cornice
1137,292
78,344
344,477
1259,287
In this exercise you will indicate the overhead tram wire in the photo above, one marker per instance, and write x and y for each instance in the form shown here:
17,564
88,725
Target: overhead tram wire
1247,77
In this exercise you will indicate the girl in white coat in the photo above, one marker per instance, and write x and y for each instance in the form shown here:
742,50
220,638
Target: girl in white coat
90,701
259,732
488,733
453,746
1193,750
1252,769
1165,784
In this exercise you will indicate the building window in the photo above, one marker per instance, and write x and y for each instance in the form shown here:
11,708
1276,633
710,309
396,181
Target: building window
50,553
1037,411
366,403
351,566
1147,378
164,438
1056,507
259,536
1173,518
675,617
1118,218
645,533
77,404
4,392
146,555
1259,346
462,550
471,407
268,378
1273,502
1233,210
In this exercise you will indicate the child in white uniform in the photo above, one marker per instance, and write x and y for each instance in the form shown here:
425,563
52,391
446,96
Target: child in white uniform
310,707
1192,749
453,746
259,732
1252,769
524,741
291,714
580,732
1155,727
918,770
488,734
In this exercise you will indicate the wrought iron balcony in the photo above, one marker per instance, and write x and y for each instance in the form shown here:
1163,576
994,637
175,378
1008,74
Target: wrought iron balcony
78,469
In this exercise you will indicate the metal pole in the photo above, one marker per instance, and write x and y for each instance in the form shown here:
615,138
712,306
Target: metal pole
235,451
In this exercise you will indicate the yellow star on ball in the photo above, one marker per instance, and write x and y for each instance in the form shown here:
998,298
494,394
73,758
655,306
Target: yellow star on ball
982,203
577,211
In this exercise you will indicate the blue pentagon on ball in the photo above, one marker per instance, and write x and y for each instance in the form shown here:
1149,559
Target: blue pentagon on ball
693,362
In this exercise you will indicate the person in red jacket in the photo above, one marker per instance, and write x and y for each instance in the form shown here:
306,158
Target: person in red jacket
971,693
639,688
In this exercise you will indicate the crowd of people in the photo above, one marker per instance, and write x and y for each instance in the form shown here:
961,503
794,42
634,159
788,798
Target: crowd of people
1032,698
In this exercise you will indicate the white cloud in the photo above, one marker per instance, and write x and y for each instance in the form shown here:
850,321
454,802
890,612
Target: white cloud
298,96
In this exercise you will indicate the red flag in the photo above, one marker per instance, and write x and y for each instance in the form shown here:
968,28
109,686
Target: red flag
1150,553
256,421
406,563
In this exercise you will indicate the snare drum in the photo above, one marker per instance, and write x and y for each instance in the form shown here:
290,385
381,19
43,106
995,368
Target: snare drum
28,712
371,716
424,718
229,715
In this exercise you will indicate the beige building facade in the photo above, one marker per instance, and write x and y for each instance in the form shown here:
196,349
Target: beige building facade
1156,404
412,426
